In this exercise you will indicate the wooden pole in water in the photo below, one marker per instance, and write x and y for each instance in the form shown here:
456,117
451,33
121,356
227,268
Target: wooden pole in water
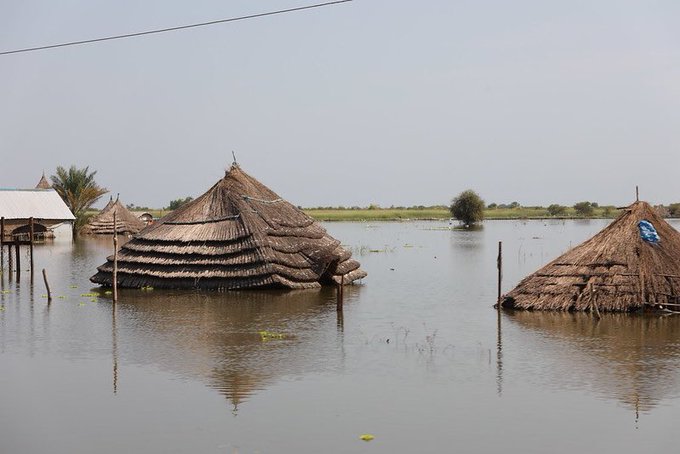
18,256
47,286
31,229
10,260
115,259
500,272
2,242
340,293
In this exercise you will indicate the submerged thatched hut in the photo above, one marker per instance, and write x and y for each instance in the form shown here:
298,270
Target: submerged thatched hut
102,224
627,266
239,234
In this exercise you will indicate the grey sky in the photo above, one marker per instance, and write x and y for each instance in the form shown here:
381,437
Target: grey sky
373,101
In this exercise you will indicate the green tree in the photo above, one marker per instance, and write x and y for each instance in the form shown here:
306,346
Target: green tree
584,209
557,210
467,207
674,209
79,191
174,204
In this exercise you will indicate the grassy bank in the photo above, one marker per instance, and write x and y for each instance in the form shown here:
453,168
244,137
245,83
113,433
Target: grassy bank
397,214
427,213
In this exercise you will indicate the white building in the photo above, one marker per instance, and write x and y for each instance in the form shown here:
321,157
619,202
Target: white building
51,216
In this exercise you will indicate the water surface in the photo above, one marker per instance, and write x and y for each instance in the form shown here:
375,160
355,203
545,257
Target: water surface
418,358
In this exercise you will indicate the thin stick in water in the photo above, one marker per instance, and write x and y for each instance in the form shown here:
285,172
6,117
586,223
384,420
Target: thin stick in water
47,286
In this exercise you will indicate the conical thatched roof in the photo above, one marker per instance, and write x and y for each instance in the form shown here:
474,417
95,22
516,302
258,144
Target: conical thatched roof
102,223
616,270
43,183
239,234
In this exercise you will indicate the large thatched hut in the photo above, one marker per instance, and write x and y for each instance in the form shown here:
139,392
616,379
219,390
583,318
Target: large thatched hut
102,223
625,267
239,234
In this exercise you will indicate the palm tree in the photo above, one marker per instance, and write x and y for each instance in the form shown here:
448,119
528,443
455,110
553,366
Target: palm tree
78,190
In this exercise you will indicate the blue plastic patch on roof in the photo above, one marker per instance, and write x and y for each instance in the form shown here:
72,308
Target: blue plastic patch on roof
648,232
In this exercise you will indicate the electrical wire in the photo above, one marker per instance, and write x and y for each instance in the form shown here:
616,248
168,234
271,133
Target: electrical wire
172,29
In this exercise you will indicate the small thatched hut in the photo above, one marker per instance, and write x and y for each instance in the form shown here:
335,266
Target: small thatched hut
43,183
239,234
616,270
102,224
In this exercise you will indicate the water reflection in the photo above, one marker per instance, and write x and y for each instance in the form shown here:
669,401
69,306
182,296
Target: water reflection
217,337
634,359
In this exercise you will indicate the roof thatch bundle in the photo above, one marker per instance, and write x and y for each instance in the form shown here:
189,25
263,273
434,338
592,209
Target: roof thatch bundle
43,183
239,234
102,223
616,270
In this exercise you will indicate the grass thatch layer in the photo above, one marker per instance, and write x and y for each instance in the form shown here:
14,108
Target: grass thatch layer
614,271
239,234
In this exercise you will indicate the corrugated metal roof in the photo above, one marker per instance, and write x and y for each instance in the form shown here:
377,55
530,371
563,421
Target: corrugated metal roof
36,203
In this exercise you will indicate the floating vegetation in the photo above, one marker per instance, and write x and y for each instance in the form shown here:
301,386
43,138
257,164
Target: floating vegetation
2,308
61,297
363,250
6,292
367,437
268,335
73,286
93,300
43,296
108,292
89,295
147,288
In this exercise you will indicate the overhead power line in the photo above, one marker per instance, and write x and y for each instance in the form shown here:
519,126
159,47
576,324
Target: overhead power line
172,29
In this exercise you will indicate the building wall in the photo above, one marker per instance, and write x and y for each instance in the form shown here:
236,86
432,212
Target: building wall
61,230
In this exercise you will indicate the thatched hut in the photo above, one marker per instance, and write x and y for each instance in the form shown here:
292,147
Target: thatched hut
102,223
621,269
43,183
239,234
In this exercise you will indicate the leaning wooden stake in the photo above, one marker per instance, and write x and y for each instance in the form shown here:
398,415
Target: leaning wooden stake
500,272
115,260
47,286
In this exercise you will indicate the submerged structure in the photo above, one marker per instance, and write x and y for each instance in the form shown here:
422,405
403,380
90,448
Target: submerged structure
239,234
632,264
102,223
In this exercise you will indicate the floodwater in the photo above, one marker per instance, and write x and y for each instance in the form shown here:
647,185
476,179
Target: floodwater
418,359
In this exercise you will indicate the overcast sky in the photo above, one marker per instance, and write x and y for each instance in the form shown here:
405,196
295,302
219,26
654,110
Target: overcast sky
373,101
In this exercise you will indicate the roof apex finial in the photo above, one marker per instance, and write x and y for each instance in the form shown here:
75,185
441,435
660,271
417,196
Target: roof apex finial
117,196
234,164
637,194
